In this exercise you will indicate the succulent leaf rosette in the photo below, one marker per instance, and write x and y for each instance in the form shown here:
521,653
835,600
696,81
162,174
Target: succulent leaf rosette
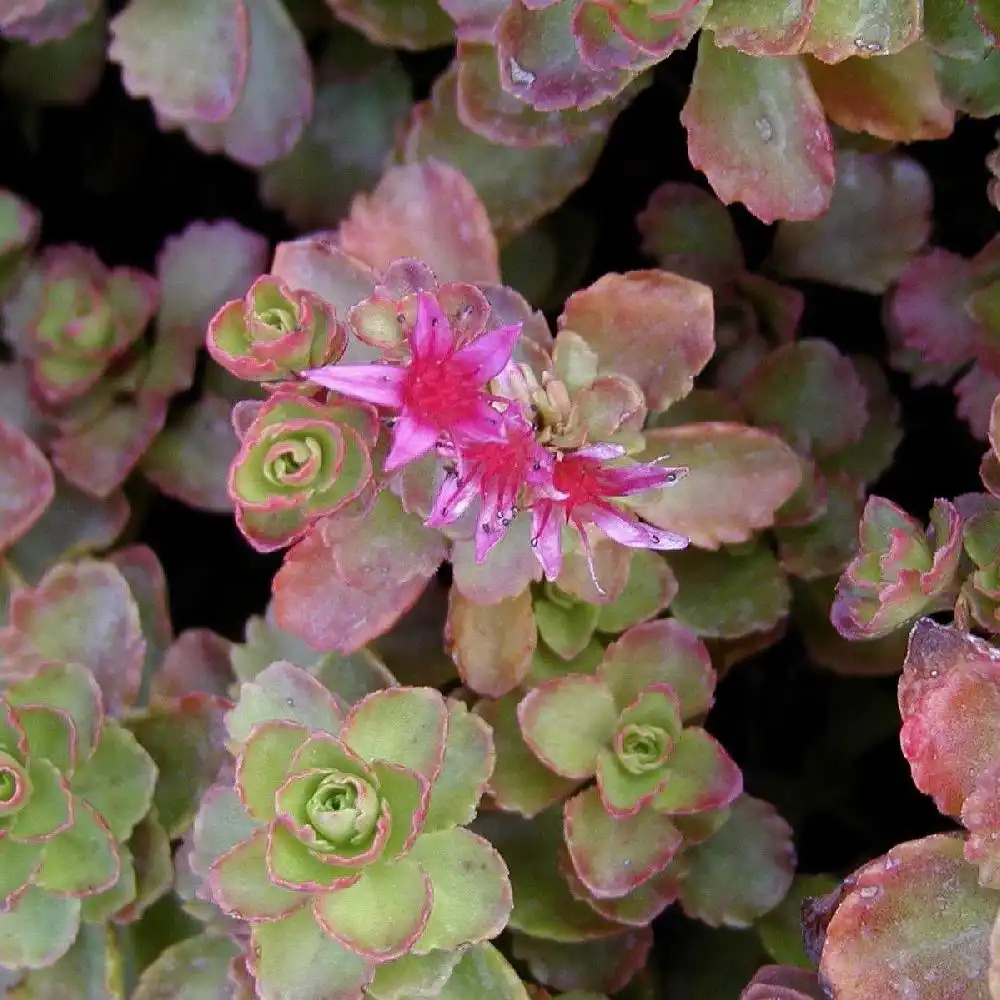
625,726
274,332
901,572
300,459
73,785
355,864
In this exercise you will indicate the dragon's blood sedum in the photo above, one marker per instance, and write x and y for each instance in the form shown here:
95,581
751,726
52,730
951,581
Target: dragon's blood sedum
355,866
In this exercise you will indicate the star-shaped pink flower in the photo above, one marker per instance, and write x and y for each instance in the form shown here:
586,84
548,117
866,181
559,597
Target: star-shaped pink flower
439,393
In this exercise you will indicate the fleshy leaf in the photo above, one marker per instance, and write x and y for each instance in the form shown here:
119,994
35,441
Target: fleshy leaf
27,485
769,28
517,186
472,894
739,477
741,872
492,644
613,856
879,217
810,394
196,968
851,27
417,24
294,958
896,97
37,929
414,976
660,652
915,916
483,971
83,613
702,776
83,860
757,129
263,764
427,210
729,594
240,884
650,588
653,326
783,982
198,660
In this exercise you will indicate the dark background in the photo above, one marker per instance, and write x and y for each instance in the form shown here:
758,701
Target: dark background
102,175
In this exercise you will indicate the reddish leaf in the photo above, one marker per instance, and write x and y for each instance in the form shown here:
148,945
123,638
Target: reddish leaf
783,982
894,97
27,485
879,217
197,661
144,575
757,130
914,923
429,211
492,644
475,19
739,476
653,326
346,583
49,21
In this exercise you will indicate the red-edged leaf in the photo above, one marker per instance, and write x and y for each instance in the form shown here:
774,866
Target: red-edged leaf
855,27
27,485
653,326
739,476
757,129
762,27
429,211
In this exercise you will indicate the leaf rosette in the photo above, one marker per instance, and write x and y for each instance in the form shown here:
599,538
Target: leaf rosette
73,785
900,572
352,858
300,460
275,332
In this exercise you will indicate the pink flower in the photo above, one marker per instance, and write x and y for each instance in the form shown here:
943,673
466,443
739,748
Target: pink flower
583,484
439,393
495,471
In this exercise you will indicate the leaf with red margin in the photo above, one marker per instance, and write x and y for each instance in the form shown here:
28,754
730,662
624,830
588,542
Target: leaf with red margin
347,582
324,268
198,270
517,186
756,128
949,699
655,327
412,24
809,393
742,871
99,456
190,460
896,97
688,231
913,919
214,36
768,28
277,96
492,644
604,966
613,856
739,477
82,613
783,982
198,661
879,217
27,484
540,62
429,211
491,112
844,28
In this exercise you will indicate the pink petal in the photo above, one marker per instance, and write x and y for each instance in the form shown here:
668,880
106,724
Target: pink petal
486,424
410,440
546,537
378,384
451,502
600,452
432,338
631,479
491,525
488,355
630,531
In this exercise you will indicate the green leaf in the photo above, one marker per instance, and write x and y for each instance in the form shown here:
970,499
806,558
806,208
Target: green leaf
615,855
469,759
471,889
566,625
405,726
50,807
483,972
702,776
263,765
414,976
357,916
294,958
50,734
844,28
118,780
37,929
622,792
660,652
406,793
651,587
90,970
18,863
222,822
780,930
241,885
290,863
195,969
566,722
284,691
83,860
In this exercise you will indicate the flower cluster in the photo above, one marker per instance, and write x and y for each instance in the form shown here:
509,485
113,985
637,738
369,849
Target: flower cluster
490,447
